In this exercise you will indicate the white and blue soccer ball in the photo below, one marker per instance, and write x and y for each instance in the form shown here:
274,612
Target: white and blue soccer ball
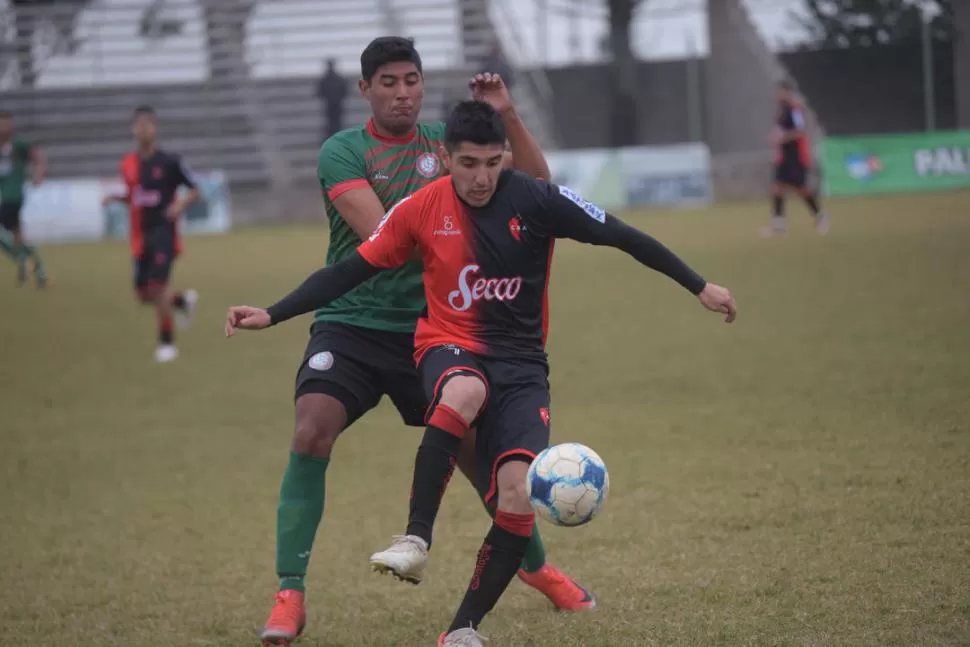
567,484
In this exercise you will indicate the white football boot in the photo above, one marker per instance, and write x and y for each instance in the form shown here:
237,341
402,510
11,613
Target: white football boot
467,637
166,353
405,559
183,316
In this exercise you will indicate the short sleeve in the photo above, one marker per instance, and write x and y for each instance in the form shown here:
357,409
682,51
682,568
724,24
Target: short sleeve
184,174
560,212
340,167
393,240
23,148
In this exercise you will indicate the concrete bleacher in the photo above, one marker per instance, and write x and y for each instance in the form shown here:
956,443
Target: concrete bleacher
79,112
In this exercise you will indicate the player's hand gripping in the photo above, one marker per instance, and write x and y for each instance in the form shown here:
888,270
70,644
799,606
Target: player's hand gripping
246,318
491,89
718,299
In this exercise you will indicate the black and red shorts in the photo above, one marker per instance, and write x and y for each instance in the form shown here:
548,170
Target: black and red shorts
514,422
153,265
791,172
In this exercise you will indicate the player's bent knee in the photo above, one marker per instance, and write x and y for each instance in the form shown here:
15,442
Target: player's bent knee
319,420
510,483
465,394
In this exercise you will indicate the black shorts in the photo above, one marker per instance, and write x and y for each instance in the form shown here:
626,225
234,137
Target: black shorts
153,267
514,422
10,216
358,366
791,173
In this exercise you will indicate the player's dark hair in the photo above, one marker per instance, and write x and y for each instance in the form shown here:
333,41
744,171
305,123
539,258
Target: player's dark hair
475,122
387,49
146,110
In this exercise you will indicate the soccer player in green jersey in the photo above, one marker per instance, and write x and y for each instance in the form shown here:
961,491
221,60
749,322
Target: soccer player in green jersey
361,345
17,156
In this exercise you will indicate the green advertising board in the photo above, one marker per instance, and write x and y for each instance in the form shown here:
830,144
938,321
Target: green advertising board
929,161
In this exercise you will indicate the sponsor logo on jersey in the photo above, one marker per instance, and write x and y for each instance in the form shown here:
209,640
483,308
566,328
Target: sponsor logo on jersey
145,198
472,288
591,209
428,165
447,227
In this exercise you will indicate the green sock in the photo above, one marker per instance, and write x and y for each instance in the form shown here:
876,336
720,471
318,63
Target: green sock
535,551
301,508
7,245
29,251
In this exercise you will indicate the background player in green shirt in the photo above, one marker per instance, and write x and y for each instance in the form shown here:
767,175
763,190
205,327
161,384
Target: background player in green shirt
361,346
16,157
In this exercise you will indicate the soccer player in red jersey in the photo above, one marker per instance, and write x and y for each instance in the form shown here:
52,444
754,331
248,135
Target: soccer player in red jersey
793,162
486,237
152,177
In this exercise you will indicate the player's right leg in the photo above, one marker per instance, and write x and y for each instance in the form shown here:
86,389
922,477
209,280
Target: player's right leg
777,226
333,389
457,389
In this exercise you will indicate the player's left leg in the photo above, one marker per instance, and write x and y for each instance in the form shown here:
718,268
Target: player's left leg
15,246
810,196
513,431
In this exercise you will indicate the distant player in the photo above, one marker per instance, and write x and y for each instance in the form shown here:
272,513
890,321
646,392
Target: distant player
17,157
152,177
361,345
793,162
486,237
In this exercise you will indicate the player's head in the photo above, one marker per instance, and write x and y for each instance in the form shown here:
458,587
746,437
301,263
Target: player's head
786,90
392,82
143,125
473,150
6,125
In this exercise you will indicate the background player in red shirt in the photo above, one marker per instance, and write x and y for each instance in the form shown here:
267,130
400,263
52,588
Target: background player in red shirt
793,162
152,177
486,237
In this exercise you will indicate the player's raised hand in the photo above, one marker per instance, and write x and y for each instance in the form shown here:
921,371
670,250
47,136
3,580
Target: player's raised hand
718,299
491,89
246,318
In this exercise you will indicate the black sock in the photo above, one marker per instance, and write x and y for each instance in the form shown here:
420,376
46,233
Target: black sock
812,203
778,203
498,560
433,467
178,301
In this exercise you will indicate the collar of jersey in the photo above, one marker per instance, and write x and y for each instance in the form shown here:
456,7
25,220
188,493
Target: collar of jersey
372,131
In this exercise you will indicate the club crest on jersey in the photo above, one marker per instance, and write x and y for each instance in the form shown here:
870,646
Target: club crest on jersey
515,228
428,165
471,289
594,212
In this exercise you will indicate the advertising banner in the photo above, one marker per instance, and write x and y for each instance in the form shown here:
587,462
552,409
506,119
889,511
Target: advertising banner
930,161
72,210
630,177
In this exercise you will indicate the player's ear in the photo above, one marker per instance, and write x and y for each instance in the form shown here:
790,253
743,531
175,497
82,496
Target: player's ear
445,157
364,88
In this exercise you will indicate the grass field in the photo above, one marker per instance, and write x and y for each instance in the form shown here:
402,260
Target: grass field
799,478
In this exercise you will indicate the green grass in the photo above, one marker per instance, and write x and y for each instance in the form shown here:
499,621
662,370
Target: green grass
799,478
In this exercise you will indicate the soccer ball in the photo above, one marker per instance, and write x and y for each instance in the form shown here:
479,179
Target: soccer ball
567,484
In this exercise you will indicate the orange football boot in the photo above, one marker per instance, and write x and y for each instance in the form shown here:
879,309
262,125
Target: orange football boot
562,590
286,620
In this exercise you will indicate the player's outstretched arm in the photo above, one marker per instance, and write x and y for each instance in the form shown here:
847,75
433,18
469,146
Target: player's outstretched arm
319,289
525,153
567,215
